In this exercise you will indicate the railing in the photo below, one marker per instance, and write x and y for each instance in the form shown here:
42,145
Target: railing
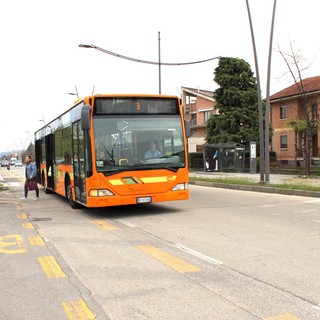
197,123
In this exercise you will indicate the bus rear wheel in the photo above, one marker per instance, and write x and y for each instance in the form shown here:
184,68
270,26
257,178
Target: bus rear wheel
73,204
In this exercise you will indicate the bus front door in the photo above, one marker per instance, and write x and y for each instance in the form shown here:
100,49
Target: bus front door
49,145
79,164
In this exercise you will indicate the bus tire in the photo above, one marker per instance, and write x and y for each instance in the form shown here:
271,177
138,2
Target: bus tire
73,204
44,183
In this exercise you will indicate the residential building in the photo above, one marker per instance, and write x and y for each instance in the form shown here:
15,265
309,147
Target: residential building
199,106
287,105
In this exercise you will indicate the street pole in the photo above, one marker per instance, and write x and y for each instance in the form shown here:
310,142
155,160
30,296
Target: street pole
261,131
267,116
159,54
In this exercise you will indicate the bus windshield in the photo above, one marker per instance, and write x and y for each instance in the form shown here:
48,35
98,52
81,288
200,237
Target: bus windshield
126,142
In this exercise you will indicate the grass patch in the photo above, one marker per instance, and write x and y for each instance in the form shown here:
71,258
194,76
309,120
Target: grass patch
301,185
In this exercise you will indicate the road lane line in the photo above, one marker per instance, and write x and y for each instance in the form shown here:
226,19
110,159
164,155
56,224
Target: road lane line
27,225
286,316
36,241
14,184
51,267
198,254
104,225
128,224
22,216
169,260
78,310
312,201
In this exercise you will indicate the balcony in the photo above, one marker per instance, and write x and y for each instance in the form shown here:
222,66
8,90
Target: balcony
197,123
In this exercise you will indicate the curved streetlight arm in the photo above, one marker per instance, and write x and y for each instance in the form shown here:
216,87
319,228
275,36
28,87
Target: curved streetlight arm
92,46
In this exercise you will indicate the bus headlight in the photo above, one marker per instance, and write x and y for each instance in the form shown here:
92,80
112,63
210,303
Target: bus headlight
180,186
100,193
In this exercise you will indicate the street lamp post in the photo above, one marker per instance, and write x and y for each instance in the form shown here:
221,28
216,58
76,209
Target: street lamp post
267,155
159,55
159,63
264,131
261,130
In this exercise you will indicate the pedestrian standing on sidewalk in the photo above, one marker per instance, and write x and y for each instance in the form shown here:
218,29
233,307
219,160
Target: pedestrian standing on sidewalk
31,176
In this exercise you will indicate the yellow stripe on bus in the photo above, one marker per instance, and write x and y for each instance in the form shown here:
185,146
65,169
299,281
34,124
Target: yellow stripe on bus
51,267
169,260
78,310
116,182
157,179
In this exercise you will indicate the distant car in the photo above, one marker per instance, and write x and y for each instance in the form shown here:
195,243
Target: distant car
18,163
5,163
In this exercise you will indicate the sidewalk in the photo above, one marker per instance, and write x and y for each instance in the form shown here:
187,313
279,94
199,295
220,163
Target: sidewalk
274,178
262,187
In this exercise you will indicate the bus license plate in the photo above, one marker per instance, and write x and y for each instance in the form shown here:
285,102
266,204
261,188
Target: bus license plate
144,200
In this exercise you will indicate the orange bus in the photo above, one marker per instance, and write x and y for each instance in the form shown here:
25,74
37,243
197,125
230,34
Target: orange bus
96,153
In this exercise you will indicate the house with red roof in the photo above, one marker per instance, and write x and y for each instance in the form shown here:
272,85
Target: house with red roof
289,104
198,107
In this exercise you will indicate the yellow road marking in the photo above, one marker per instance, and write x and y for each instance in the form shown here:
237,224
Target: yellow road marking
78,310
104,225
51,267
27,225
285,316
18,206
18,243
22,216
169,260
36,241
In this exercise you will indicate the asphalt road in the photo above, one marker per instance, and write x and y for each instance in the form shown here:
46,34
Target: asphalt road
224,254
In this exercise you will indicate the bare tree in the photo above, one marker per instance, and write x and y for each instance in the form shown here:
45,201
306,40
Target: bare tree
293,61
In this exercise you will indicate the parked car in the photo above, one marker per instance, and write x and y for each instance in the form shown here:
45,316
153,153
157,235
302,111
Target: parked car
5,163
18,163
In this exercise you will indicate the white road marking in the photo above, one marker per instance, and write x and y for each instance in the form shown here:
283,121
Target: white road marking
268,206
313,201
317,221
128,224
14,184
198,254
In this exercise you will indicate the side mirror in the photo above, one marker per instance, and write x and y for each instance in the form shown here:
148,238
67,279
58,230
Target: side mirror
187,128
85,117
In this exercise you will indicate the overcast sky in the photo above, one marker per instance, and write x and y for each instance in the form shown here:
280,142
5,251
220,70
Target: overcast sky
41,62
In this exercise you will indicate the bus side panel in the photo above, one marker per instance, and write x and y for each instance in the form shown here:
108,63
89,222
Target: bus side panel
63,173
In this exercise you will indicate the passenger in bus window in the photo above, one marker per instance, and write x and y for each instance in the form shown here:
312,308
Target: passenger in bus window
153,151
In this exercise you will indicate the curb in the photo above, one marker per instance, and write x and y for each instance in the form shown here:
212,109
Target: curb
3,185
293,192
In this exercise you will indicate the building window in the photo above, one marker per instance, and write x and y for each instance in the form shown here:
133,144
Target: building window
193,119
207,115
283,112
314,111
284,142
